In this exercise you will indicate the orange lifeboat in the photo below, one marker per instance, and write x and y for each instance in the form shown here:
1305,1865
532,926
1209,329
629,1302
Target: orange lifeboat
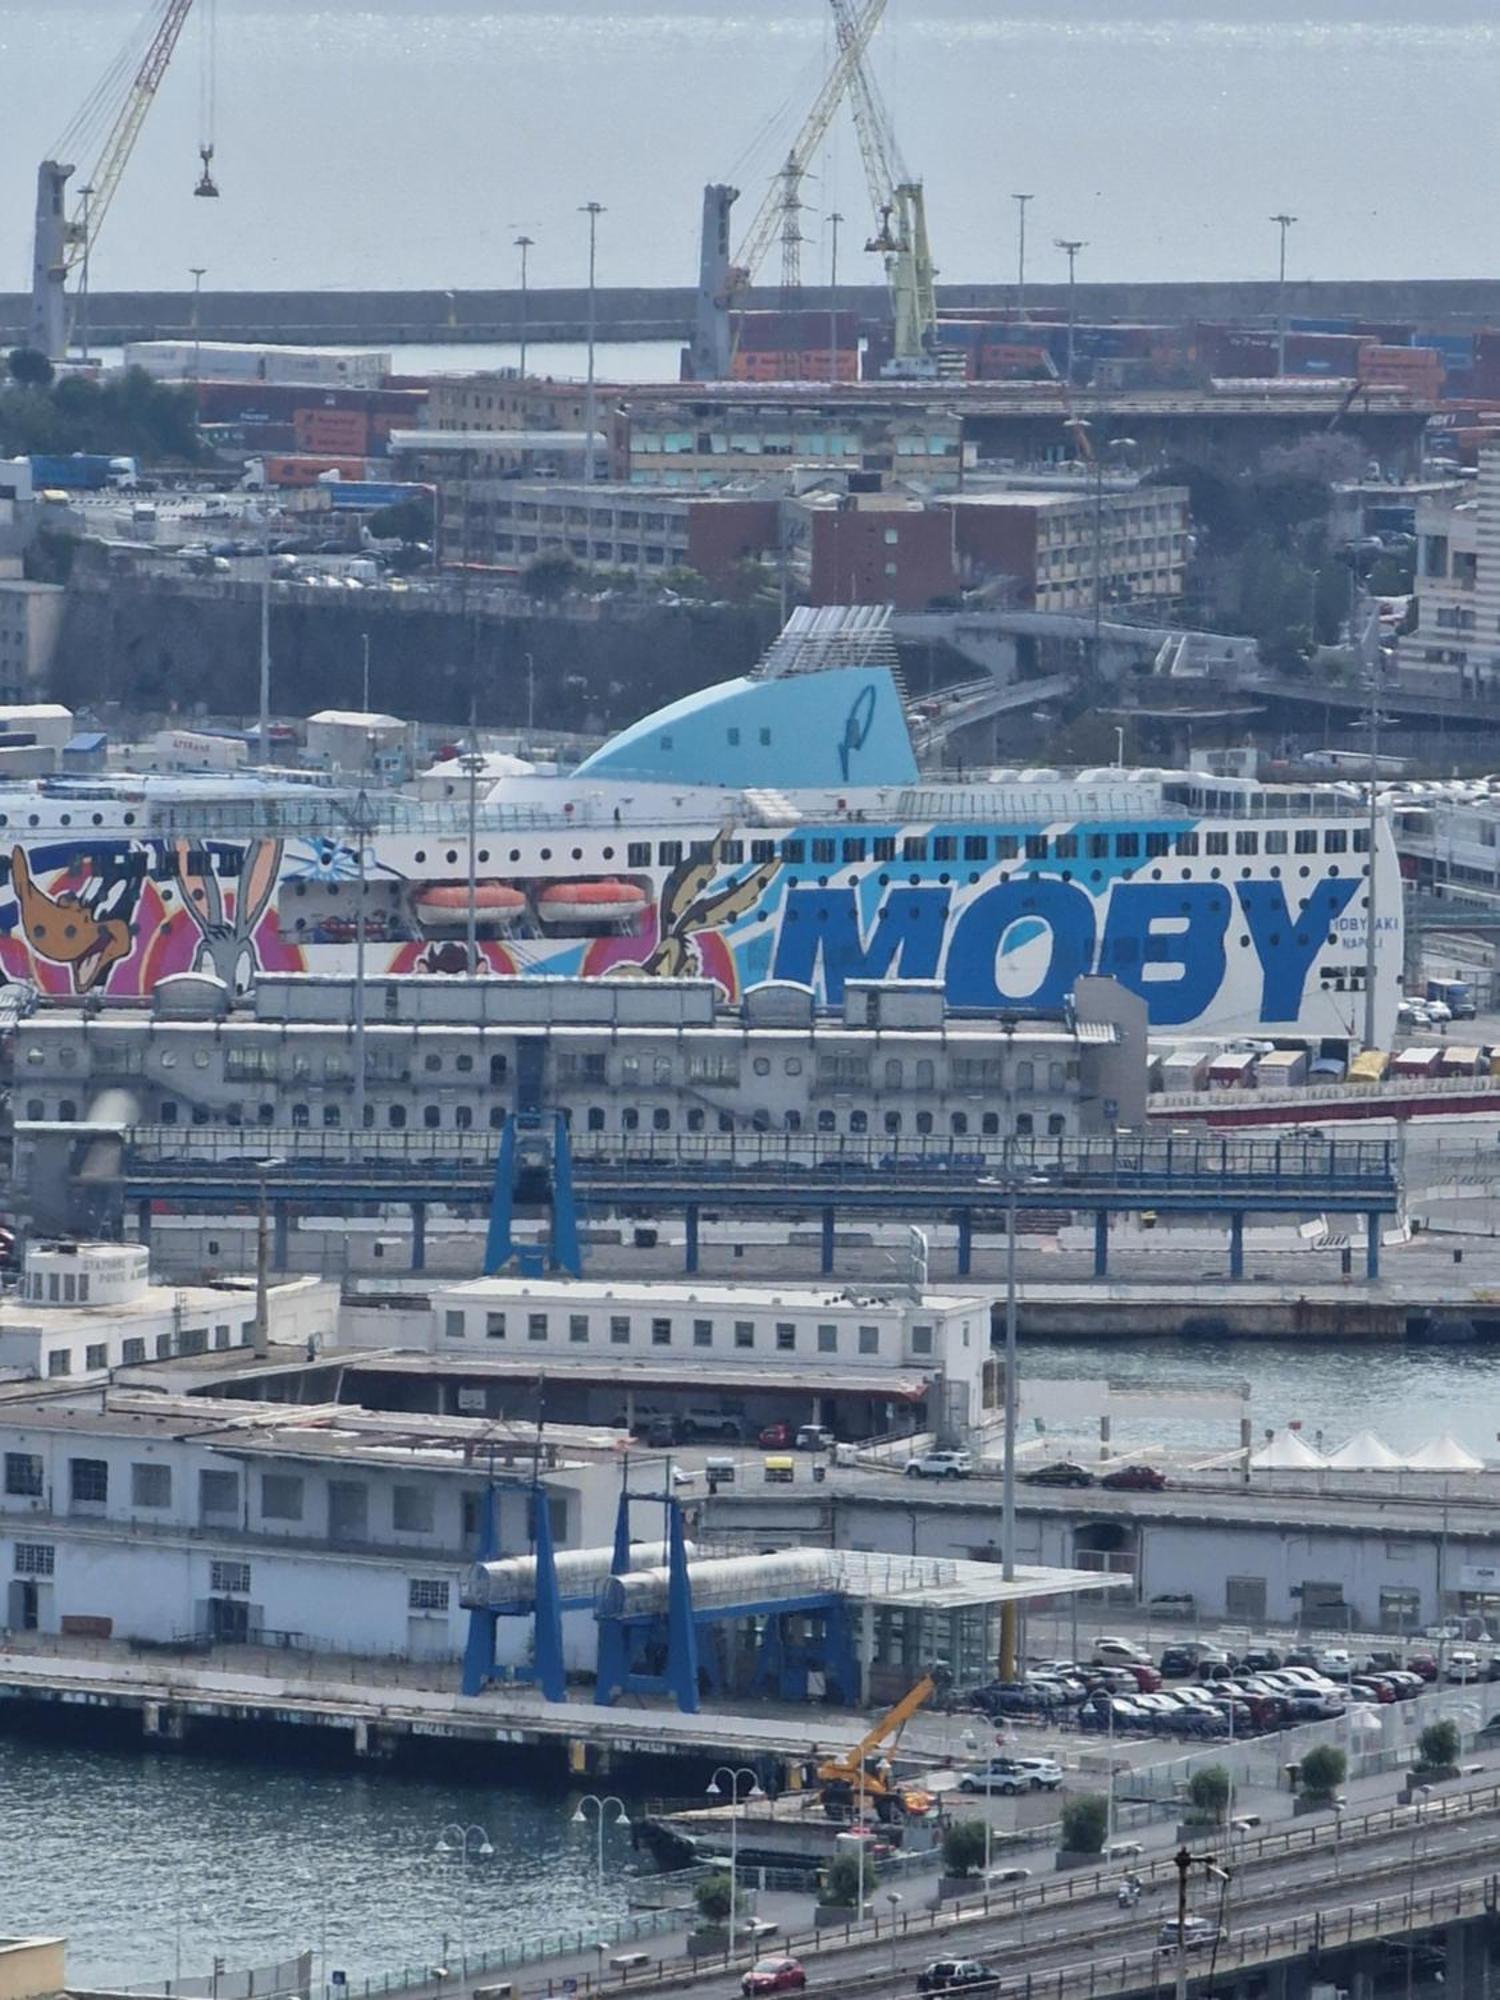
610,903
444,906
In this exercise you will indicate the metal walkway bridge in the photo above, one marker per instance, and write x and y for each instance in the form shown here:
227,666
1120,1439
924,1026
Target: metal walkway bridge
968,1183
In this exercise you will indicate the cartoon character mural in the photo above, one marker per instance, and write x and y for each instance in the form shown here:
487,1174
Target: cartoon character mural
69,928
684,939
104,913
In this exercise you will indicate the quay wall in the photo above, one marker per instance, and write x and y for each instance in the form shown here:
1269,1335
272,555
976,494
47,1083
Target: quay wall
629,313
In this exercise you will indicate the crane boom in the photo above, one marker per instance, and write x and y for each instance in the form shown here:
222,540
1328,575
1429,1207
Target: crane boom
890,1725
762,231
61,241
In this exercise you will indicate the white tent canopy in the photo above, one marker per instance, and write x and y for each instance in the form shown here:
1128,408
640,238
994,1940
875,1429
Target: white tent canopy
1444,1454
1286,1452
1364,1452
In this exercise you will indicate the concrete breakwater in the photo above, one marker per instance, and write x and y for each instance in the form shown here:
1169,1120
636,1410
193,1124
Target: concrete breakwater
624,313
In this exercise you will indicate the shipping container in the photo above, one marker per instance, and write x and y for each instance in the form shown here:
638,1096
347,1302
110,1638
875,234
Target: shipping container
1282,1069
1369,1066
1184,1069
1232,1069
1415,1064
1459,1061
227,360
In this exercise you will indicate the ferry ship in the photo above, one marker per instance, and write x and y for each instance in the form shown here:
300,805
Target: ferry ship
773,827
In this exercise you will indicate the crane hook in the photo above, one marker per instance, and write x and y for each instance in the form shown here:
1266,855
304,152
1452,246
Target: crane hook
207,185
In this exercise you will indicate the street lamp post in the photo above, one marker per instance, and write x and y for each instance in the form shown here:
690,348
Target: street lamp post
1283,222
523,244
1020,201
581,1818
87,195
455,1839
716,1790
1070,246
197,273
593,210
895,1899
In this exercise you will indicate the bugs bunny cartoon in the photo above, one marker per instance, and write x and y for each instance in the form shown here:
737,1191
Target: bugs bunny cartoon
689,904
226,944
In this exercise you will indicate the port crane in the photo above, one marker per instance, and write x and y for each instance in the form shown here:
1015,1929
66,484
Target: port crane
724,277
900,211
864,1773
64,241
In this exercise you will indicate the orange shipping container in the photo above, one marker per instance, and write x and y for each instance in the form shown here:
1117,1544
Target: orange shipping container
287,470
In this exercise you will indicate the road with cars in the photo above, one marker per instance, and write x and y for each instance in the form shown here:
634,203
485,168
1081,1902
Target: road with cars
1317,1869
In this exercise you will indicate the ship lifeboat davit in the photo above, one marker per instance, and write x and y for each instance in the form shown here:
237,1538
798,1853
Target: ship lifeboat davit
444,906
606,905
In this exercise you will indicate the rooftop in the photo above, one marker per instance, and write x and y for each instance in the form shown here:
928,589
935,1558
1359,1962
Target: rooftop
727,1298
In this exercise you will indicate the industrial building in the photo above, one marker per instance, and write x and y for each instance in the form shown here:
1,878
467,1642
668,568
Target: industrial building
711,1361
1455,648
145,1515
82,1310
31,616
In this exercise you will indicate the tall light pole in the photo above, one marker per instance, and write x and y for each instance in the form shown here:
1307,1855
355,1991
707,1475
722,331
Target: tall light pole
87,195
265,636
523,244
1020,201
455,1839
197,271
1283,222
834,220
581,1818
1070,246
716,1790
473,764
593,210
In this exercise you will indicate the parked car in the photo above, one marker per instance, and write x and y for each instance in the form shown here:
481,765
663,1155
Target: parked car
813,1437
1178,1662
1147,1677
1135,1479
1043,1774
1063,1472
1464,1665
955,1975
775,1437
1000,1777
1111,1651
940,1465
774,1975
1259,1660
1180,1601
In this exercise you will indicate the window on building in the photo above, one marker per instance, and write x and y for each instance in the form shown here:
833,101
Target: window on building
1276,840
427,1593
619,1330
1216,843
578,1327
280,1496
1306,840
536,1326
494,1325
661,1333
869,1340
132,1351
412,1510
221,1336
23,1475
59,1362
1246,841
453,1323
744,1333
88,1481
786,1337
164,1347
150,1485
218,1495
828,1339
703,1333
1335,841
921,1340
36,1559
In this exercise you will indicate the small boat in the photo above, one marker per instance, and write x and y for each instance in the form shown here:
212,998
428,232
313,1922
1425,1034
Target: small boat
444,906
610,903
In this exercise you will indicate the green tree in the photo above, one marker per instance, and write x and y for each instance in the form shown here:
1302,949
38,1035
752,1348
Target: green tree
713,1897
550,576
30,367
1323,1772
1438,1746
1085,1820
406,521
964,1843
1208,1791
840,1889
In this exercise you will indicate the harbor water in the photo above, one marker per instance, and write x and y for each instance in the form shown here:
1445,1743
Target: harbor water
360,143
147,1863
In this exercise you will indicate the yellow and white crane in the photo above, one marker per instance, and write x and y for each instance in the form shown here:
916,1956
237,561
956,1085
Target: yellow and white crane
111,117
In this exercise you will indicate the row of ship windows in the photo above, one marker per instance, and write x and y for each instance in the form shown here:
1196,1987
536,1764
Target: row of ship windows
1008,846
959,1124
